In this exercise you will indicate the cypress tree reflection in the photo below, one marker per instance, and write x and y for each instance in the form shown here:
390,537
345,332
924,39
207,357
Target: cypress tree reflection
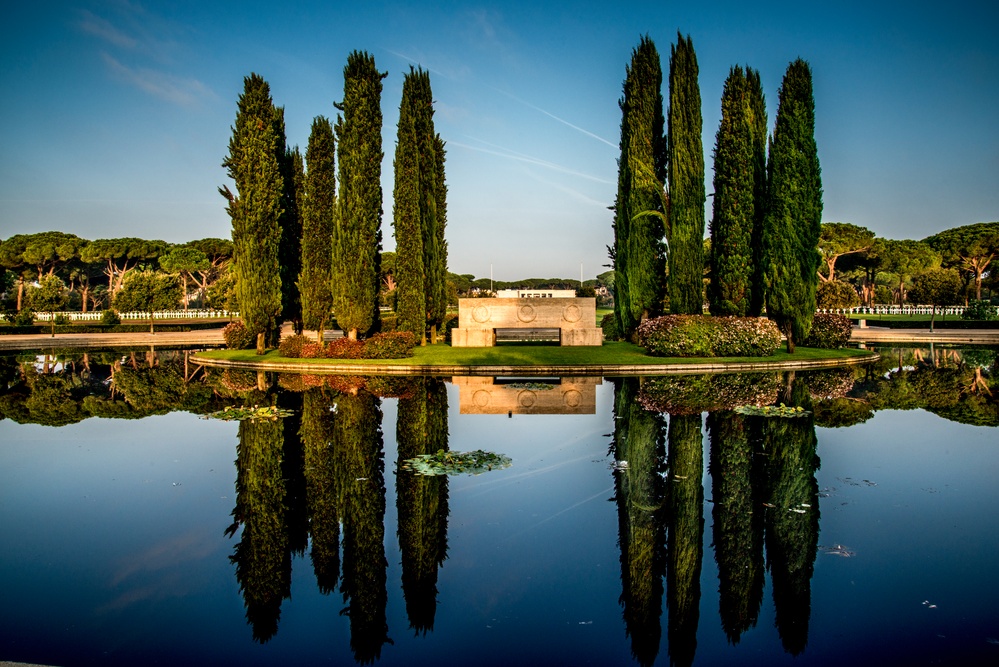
792,515
422,501
322,503
639,493
262,558
738,523
293,469
684,548
360,465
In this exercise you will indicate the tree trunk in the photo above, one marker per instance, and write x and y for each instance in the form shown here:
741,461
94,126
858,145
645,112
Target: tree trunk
433,334
85,293
20,292
261,348
933,316
352,334
151,323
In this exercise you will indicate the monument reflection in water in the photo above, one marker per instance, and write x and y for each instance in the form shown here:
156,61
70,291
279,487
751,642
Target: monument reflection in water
711,555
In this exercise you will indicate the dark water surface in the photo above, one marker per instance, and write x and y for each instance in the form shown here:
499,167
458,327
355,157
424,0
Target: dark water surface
648,523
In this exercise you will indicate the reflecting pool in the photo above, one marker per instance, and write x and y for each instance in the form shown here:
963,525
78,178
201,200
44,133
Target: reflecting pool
642,520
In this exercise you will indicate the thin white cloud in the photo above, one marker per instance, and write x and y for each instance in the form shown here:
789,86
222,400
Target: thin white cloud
575,194
556,118
521,157
103,29
177,90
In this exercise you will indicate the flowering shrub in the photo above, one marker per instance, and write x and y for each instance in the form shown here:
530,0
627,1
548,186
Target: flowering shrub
237,336
705,336
345,348
292,345
392,345
829,331
313,351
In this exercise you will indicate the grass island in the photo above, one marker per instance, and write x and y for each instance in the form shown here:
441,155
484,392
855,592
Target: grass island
611,358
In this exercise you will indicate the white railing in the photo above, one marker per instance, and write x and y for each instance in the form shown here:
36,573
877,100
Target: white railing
190,314
894,310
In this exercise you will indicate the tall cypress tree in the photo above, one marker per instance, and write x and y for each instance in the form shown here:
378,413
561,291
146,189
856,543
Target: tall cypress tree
758,124
639,210
432,196
793,220
357,240
315,282
256,209
290,252
686,182
407,219
437,311
420,211
735,205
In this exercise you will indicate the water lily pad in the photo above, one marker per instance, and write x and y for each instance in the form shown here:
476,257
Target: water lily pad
772,411
233,413
455,463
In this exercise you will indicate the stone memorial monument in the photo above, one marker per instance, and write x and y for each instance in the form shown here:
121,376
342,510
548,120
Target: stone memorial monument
574,318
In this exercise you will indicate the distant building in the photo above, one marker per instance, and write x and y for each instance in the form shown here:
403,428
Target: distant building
536,294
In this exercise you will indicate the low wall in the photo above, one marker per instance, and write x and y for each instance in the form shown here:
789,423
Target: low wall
478,320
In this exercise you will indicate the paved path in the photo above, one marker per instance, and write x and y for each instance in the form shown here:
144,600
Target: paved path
40,341
885,335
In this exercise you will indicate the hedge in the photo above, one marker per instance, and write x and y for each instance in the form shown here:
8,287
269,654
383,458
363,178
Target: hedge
707,336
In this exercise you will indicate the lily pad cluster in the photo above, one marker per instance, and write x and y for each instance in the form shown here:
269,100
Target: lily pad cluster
233,413
773,411
455,463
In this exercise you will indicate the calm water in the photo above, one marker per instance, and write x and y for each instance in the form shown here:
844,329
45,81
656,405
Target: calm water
648,523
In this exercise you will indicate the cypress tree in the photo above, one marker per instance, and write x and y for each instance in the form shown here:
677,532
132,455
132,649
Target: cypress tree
420,204
256,209
438,310
407,220
315,282
734,207
758,124
357,240
290,252
686,182
432,196
639,210
685,543
793,220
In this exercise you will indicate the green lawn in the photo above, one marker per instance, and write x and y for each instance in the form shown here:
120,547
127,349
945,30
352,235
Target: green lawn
609,354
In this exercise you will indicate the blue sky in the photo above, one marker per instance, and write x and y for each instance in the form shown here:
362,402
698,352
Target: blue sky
116,114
